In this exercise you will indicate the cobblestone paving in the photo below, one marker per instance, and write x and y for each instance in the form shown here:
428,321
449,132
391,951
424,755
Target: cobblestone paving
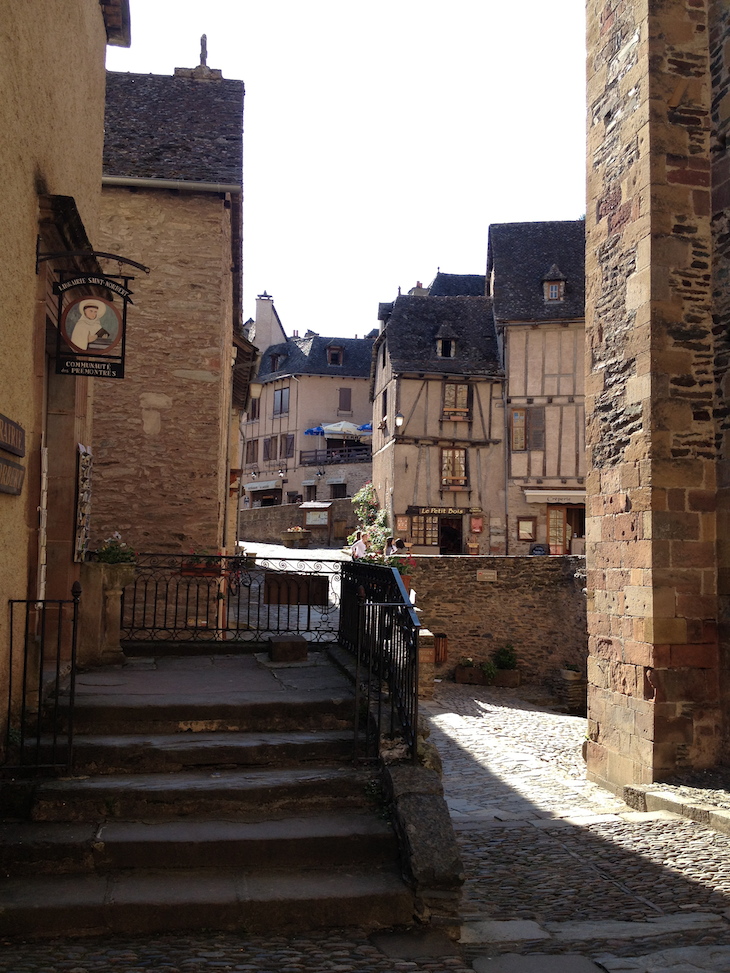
541,845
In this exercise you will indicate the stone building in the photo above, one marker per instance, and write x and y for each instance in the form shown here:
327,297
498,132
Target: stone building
535,275
302,384
487,373
658,315
436,388
52,75
167,462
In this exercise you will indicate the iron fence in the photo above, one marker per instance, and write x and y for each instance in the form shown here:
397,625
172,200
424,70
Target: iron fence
243,598
380,627
38,732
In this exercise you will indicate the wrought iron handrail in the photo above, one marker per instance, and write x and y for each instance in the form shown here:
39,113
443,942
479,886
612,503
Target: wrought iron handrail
38,732
380,627
200,597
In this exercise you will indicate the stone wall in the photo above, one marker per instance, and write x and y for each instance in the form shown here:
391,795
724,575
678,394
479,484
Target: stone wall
265,524
720,156
535,603
650,403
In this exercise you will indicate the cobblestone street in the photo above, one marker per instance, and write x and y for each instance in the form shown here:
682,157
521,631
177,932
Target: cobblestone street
561,875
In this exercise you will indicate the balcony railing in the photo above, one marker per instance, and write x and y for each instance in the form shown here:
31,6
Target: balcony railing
326,457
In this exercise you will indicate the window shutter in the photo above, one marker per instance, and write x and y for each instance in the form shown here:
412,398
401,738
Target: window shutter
537,428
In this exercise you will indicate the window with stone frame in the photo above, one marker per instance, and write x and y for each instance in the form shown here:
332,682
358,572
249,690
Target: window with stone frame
453,469
286,446
446,347
335,355
425,531
338,490
252,451
281,401
457,401
270,447
528,429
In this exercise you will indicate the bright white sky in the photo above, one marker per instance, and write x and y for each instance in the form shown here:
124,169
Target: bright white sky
381,139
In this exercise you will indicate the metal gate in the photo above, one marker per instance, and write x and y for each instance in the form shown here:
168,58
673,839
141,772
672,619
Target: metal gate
200,598
38,731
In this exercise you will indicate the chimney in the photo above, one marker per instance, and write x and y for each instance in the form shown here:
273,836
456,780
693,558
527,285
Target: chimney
295,334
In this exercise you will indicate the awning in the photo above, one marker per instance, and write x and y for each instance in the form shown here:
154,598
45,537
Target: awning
314,431
266,485
342,428
555,496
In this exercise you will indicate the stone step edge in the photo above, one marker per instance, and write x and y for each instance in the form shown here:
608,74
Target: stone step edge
258,901
652,798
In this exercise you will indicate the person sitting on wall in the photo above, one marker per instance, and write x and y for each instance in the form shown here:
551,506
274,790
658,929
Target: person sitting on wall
390,547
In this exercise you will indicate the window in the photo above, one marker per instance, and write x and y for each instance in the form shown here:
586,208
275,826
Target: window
527,528
275,361
384,404
446,347
310,492
291,496
425,531
338,490
528,429
286,446
270,448
253,409
334,355
453,469
252,451
345,401
281,401
457,401
554,290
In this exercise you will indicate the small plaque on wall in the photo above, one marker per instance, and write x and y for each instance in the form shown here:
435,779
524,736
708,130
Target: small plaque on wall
316,518
402,524
477,525
486,575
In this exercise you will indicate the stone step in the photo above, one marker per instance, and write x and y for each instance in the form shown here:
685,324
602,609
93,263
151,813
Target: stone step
350,837
226,793
151,900
146,753
127,713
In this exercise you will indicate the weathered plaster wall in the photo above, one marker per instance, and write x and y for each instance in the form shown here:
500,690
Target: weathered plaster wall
52,79
161,435
653,702
265,524
535,603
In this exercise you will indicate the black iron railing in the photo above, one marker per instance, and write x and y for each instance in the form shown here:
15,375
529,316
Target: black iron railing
38,732
326,457
177,597
380,627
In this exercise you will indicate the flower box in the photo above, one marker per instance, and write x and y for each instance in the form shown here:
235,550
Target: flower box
193,570
296,539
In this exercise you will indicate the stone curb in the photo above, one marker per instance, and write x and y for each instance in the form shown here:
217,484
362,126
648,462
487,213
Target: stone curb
647,799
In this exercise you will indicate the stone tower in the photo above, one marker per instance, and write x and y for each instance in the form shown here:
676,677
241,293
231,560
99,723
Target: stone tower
657,316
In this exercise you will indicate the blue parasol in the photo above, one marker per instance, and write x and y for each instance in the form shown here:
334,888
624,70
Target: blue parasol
315,431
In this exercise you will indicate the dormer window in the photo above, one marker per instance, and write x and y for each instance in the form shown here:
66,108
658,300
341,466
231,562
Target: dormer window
446,341
553,285
275,361
334,355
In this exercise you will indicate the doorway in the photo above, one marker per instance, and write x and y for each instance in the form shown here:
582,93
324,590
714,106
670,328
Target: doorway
450,535
566,524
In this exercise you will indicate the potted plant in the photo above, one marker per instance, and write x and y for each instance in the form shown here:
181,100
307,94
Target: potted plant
296,537
199,565
474,674
507,674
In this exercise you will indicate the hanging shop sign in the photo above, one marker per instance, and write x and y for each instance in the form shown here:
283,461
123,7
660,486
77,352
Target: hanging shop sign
448,511
12,436
12,440
92,330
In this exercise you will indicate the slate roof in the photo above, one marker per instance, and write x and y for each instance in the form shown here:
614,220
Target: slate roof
522,255
308,356
415,322
458,285
161,127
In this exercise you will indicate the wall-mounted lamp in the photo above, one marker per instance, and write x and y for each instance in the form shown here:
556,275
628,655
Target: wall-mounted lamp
399,419
254,390
254,474
282,473
319,473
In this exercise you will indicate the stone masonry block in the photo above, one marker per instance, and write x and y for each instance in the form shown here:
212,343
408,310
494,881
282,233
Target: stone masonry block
696,656
671,630
288,648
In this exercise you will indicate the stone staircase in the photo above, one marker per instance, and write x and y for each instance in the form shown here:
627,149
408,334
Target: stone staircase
208,792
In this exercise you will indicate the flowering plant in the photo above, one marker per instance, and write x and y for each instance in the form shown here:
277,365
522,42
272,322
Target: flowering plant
403,563
115,551
294,530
